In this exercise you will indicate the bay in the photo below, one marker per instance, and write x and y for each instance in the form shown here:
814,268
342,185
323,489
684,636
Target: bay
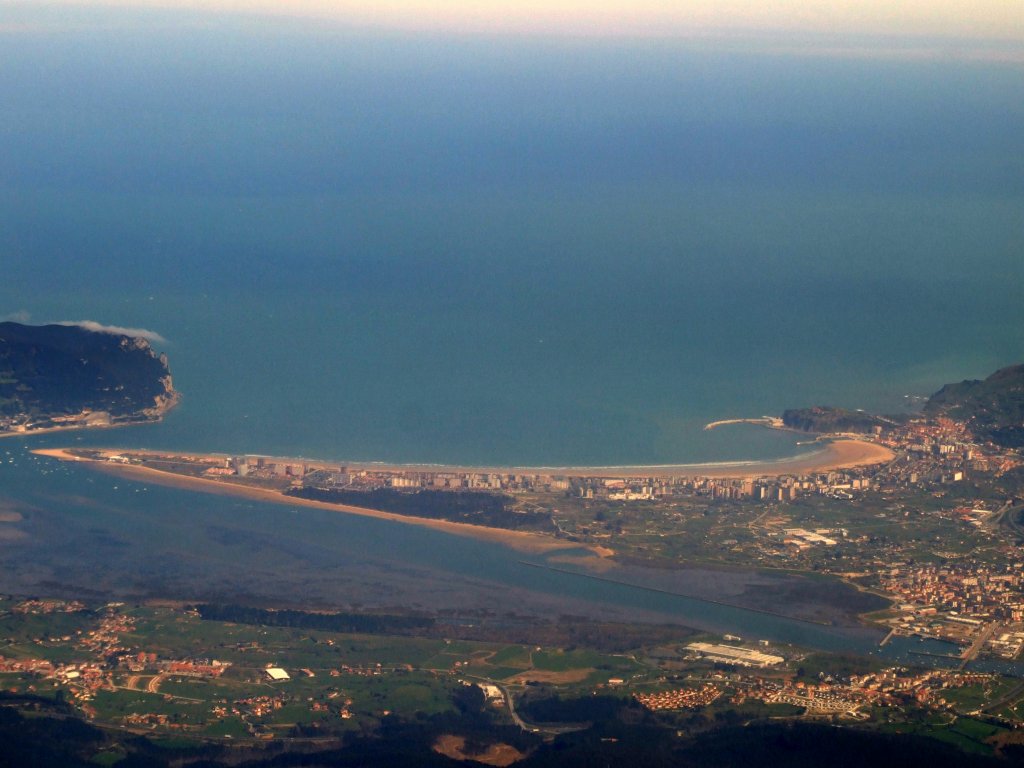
367,247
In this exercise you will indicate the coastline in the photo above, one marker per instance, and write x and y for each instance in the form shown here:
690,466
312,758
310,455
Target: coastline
834,455
521,541
77,427
845,453
152,415
837,454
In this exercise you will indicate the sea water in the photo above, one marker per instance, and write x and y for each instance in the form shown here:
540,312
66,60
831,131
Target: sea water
375,247
416,249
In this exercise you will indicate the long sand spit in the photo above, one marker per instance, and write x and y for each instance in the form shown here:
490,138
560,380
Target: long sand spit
521,541
839,454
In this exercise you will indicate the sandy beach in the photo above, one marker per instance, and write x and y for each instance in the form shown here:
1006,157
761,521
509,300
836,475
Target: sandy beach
521,541
833,455
836,454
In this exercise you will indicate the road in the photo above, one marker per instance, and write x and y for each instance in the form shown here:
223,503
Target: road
154,684
1008,698
997,518
548,730
978,643
512,710
1009,517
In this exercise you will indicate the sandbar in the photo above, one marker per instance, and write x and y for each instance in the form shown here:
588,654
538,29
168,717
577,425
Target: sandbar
838,454
521,541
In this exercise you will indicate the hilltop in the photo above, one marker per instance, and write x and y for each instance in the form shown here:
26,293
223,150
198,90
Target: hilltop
993,408
69,376
828,420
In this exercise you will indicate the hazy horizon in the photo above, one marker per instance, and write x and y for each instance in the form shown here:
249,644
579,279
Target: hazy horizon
988,20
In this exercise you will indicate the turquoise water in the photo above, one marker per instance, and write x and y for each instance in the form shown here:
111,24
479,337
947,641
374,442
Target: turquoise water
373,247
519,252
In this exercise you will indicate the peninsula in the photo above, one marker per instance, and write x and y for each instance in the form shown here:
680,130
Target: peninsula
482,502
55,377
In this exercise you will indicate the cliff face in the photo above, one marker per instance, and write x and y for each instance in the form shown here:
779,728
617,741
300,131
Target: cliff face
57,371
993,408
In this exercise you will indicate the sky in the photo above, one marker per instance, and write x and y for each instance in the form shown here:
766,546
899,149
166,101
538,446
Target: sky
964,20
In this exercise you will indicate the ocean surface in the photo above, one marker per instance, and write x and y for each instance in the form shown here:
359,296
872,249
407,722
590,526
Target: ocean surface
369,246
375,247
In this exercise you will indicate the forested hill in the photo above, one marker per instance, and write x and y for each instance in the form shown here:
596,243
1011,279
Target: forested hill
993,408
56,370
827,420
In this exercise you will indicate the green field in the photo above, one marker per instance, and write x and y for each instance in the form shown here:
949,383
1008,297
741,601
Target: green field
966,733
342,682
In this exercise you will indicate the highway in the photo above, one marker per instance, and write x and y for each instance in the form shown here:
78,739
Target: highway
1010,517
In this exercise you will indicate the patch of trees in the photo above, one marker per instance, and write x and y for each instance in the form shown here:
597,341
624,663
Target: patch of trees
473,507
826,420
589,709
42,742
57,369
366,623
802,745
45,741
993,408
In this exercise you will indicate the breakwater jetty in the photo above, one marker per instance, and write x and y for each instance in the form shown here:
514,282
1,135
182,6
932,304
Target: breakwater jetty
765,421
